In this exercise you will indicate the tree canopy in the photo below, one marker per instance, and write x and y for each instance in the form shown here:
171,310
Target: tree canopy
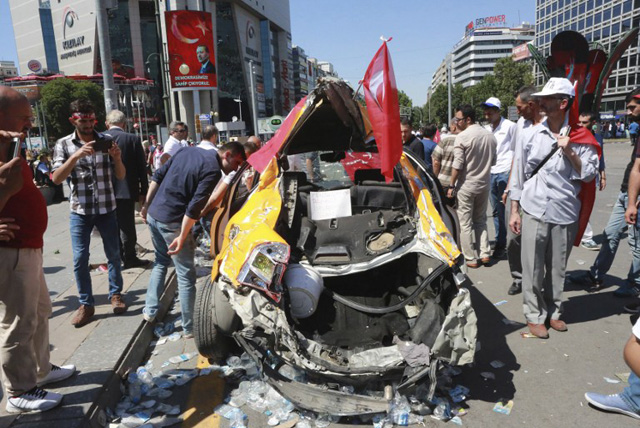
59,93
507,77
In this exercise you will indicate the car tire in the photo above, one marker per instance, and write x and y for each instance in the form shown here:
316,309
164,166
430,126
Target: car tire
214,321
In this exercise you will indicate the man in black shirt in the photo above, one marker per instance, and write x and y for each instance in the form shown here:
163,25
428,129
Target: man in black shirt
410,141
614,230
176,196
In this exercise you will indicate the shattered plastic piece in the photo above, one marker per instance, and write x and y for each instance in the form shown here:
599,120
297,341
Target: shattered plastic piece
164,421
527,335
458,393
163,383
456,420
505,409
497,364
488,375
186,377
292,373
501,302
400,410
580,261
460,412
609,380
168,409
325,420
623,376
102,268
303,424
175,336
182,358
148,404
237,418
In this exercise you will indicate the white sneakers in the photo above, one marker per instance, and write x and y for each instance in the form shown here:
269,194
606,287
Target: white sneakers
58,373
37,399
34,400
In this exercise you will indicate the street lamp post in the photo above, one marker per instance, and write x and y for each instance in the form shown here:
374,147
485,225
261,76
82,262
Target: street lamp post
239,101
165,95
254,110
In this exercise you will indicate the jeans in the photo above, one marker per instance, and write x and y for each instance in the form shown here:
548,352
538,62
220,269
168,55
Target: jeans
612,234
81,227
631,394
162,234
498,185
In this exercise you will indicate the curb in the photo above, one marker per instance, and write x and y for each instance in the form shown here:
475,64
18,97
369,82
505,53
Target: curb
134,353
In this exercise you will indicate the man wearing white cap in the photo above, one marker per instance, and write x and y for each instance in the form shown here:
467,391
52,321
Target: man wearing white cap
504,131
548,173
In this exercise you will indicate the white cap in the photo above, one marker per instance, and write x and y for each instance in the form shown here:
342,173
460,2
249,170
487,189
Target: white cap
557,86
492,102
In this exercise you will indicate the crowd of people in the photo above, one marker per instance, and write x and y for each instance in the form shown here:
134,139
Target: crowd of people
108,174
539,174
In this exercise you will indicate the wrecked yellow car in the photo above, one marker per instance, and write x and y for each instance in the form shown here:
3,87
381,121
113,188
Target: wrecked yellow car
332,279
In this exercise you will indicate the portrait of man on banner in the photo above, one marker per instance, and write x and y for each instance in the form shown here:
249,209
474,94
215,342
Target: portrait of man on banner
191,50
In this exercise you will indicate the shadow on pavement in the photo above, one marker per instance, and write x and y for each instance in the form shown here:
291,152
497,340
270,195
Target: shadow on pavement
592,306
492,333
70,303
53,269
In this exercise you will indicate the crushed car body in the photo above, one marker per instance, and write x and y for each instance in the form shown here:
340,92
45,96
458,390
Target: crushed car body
343,287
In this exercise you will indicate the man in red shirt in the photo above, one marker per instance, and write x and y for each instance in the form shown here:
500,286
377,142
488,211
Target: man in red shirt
25,305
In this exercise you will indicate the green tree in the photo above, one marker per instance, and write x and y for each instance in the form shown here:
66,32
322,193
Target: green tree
439,104
56,97
404,100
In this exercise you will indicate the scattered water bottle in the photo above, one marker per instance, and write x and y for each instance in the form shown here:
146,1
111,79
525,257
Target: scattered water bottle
144,376
134,388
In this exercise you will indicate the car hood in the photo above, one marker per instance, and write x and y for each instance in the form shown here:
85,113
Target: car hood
326,119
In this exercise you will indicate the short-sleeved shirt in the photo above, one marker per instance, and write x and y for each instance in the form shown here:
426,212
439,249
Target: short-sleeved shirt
633,128
504,134
185,183
172,145
208,145
429,147
474,155
636,329
91,187
443,153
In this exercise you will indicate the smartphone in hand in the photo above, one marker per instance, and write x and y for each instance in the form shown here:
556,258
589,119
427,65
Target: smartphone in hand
14,148
102,145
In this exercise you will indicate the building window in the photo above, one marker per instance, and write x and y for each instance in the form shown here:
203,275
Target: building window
589,21
615,28
581,9
597,18
626,7
632,79
616,10
626,25
581,25
606,15
606,31
590,5
567,15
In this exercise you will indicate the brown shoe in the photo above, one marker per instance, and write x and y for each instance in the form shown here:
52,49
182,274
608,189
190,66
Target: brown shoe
558,325
473,265
538,330
118,304
485,260
83,315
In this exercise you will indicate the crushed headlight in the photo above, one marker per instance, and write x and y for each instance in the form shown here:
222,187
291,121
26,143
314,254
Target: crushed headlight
264,268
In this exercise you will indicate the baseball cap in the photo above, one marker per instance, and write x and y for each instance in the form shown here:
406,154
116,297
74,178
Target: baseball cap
492,102
557,86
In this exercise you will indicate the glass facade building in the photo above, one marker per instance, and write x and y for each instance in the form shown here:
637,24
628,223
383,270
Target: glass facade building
603,23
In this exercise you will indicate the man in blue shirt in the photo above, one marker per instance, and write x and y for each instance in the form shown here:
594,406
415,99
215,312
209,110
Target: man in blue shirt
176,196
429,132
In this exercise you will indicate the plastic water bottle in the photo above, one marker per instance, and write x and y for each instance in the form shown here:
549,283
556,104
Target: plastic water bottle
134,388
144,376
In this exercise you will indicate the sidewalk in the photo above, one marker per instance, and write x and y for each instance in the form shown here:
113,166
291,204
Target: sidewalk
103,350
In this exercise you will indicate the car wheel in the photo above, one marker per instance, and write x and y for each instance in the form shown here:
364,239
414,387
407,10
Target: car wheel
214,321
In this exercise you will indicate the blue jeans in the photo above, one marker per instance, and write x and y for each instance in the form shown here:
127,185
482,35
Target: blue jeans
612,234
81,227
162,234
498,184
631,394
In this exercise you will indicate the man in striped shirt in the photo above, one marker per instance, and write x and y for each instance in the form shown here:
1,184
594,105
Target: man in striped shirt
89,159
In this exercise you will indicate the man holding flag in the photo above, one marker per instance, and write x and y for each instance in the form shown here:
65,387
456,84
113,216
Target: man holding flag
552,181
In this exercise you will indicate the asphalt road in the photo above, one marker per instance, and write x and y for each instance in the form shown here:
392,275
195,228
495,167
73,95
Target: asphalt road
546,379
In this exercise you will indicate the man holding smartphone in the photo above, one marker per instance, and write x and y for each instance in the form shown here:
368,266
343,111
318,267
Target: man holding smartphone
90,159
25,305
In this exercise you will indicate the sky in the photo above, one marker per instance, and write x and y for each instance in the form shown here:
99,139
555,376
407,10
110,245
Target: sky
347,33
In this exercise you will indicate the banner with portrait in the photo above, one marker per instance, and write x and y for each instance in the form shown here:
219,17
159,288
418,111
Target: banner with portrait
191,50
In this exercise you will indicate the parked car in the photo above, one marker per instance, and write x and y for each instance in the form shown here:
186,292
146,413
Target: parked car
332,279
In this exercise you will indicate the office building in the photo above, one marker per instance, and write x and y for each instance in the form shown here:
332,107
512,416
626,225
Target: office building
603,22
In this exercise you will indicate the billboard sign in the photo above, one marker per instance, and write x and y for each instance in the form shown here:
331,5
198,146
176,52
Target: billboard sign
74,26
190,48
521,52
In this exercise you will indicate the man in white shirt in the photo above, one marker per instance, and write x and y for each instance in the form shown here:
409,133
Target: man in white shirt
550,204
503,129
177,133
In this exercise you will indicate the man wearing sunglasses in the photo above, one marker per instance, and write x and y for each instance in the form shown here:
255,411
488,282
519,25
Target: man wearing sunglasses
176,141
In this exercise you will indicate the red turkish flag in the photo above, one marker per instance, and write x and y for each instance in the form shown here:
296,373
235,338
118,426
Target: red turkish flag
381,96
